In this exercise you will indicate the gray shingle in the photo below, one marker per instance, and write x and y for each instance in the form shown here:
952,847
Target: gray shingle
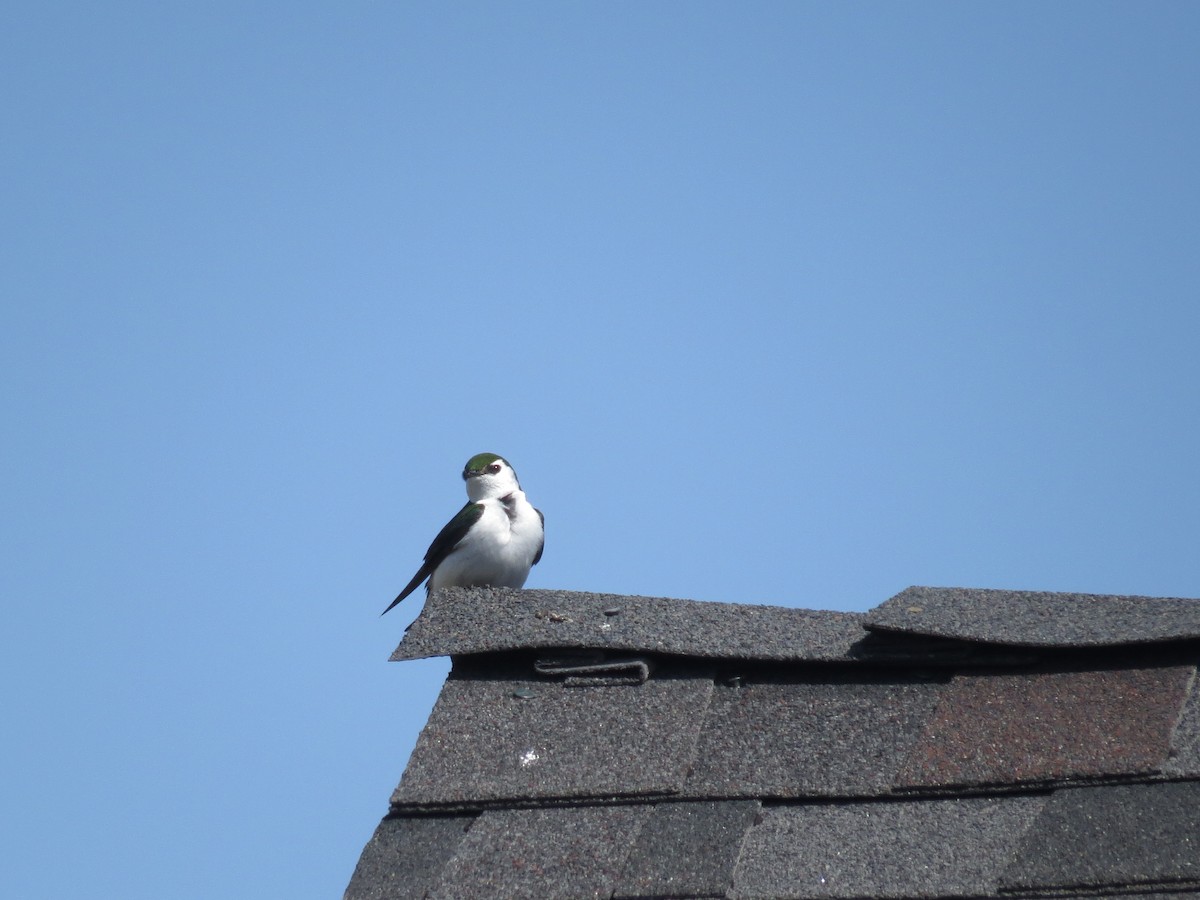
458,621
933,848
404,856
522,738
687,849
1037,619
542,854
1125,835
829,735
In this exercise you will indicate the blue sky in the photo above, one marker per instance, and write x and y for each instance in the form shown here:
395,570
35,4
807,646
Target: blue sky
775,303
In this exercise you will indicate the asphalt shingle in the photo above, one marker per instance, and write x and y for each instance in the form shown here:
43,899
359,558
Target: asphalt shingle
1048,726
1037,619
687,849
1184,761
460,621
833,734
932,848
405,855
542,854
1121,835
523,737
980,744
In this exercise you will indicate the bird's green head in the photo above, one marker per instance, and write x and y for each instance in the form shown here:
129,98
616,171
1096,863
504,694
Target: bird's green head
488,475
482,463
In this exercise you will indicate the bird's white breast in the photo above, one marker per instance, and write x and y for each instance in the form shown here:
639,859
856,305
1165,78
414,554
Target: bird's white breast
498,550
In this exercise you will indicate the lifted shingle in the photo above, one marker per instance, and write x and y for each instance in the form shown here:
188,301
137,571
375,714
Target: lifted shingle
1035,619
458,621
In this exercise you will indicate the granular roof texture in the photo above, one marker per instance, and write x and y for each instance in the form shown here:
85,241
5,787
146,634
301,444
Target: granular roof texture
459,621
950,743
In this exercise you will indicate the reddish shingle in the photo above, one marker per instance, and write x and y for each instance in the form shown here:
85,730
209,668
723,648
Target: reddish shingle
1048,726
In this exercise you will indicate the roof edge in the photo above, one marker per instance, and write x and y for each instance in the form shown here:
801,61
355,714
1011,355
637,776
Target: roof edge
461,621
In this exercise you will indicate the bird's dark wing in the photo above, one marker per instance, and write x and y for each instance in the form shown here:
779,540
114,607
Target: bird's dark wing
448,538
538,558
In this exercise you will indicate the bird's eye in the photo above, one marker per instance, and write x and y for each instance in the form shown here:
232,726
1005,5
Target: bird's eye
494,468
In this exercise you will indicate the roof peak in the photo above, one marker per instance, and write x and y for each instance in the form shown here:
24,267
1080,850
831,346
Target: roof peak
926,624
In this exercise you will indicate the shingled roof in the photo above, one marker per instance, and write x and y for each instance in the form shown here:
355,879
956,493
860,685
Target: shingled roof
950,743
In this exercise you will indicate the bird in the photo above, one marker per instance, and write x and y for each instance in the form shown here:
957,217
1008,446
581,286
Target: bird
494,540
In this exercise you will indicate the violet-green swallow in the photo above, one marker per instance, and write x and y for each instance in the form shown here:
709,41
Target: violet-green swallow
494,540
